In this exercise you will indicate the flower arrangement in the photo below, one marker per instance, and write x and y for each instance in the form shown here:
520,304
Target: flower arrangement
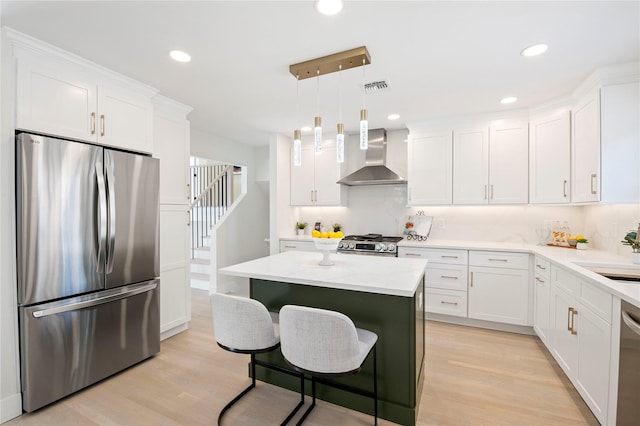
631,239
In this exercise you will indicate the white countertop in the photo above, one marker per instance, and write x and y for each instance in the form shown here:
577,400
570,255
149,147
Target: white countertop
572,259
372,274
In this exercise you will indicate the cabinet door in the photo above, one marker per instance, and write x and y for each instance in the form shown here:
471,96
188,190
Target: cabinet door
55,100
594,354
430,167
541,314
499,295
171,146
175,288
509,164
470,166
586,150
327,173
563,342
550,159
302,179
124,120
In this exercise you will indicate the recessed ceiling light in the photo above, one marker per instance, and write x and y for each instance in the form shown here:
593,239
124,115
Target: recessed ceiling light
393,116
535,50
306,129
180,56
508,100
329,7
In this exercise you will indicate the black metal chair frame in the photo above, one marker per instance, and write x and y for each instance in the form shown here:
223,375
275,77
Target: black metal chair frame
255,362
319,378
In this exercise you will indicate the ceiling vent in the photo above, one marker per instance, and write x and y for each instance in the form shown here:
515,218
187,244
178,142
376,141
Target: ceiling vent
376,86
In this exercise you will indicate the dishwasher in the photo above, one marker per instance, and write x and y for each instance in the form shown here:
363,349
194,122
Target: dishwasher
629,372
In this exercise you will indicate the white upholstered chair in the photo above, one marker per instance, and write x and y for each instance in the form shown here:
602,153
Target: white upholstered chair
245,326
326,344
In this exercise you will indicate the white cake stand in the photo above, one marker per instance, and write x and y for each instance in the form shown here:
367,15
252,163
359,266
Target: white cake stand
327,246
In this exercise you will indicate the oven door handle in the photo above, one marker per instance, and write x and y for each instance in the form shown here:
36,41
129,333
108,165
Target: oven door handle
631,323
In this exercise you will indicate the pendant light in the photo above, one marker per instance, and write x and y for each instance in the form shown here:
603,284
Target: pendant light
297,139
317,122
340,135
364,123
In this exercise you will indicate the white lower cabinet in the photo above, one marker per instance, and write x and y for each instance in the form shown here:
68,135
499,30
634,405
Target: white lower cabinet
542,299
499,287
445,279
287,245
580,338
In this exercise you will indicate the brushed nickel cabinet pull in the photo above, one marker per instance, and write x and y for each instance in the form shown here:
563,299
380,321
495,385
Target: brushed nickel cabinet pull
292,247
498,260
492,192
445,256
413,254
569,319
540,280
564,188
573,314
93,123
471,279
316,195
449,303
448,276
102,121
188,218
540,267
312,195
593,179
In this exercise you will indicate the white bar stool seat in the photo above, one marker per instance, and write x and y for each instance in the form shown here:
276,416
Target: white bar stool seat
243,325
325,344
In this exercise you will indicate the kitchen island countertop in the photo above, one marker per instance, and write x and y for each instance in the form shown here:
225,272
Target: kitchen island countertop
373,274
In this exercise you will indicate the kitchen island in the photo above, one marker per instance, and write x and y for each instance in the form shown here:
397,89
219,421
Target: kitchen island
381,294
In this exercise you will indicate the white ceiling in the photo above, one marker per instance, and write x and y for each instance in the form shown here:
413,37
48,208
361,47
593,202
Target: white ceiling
440,58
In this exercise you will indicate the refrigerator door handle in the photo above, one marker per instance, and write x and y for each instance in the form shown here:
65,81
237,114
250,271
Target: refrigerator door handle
95,302
102,216
112,210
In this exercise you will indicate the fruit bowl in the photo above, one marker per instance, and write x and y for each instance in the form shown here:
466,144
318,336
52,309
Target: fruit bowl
327,246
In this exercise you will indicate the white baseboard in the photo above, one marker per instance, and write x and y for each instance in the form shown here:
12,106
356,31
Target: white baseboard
173,331
521,329
10,407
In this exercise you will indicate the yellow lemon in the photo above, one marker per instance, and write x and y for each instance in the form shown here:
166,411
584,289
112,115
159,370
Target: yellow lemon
339,234
324,235
578,237
315,233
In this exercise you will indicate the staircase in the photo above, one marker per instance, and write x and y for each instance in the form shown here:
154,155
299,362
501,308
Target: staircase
212,194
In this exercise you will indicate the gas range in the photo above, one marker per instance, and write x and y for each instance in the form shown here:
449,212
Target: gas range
370,244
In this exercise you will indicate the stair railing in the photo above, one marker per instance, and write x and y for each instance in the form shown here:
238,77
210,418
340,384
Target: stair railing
210,203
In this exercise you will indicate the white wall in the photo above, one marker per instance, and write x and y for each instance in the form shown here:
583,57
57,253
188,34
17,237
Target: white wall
241,235
606,225
283,216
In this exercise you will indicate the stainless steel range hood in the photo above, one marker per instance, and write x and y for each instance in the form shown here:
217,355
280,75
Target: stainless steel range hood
375,171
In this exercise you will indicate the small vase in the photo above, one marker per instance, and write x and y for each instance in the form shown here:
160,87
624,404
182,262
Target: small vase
300,231
635,258
581,246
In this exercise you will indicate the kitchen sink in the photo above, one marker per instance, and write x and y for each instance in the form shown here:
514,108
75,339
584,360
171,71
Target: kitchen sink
619,272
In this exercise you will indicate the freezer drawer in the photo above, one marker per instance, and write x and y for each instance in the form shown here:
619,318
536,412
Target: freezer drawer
70,344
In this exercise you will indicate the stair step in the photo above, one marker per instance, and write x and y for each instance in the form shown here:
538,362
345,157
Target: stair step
202,253
200,276
201,261
200,268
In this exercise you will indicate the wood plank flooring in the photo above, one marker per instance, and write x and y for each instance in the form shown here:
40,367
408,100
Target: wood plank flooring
473,377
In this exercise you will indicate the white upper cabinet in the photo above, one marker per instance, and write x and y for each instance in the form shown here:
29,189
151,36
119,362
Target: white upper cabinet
550,159
171,145
490,166
314,182
471,166
430,169
508,164
63,95
585,129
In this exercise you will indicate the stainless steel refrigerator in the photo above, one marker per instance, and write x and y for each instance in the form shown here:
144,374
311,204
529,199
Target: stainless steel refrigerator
87,249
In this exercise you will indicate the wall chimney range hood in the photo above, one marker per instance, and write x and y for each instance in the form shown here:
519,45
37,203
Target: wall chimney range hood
375,171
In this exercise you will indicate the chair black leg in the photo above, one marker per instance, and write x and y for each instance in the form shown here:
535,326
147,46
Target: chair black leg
244,392
300,404
375,387
313,402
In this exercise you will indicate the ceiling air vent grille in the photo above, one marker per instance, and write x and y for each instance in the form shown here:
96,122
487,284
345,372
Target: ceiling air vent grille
376,86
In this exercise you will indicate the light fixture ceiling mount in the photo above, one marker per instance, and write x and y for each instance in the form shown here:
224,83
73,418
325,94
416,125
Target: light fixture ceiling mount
331,63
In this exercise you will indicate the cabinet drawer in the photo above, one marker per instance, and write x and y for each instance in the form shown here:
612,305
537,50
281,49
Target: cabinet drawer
599,301
450,277
448,302
454,257
565,280
497,259
543,267
297,245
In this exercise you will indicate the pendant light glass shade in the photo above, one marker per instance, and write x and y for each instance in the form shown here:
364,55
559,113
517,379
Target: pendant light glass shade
297,148
364,129
317,135
340,144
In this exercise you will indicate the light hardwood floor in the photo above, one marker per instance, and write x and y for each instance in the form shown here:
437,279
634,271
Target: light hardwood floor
473,377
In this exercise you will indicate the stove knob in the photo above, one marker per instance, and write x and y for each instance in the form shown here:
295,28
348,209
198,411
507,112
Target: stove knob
341,245
380,247
352,245
391,247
